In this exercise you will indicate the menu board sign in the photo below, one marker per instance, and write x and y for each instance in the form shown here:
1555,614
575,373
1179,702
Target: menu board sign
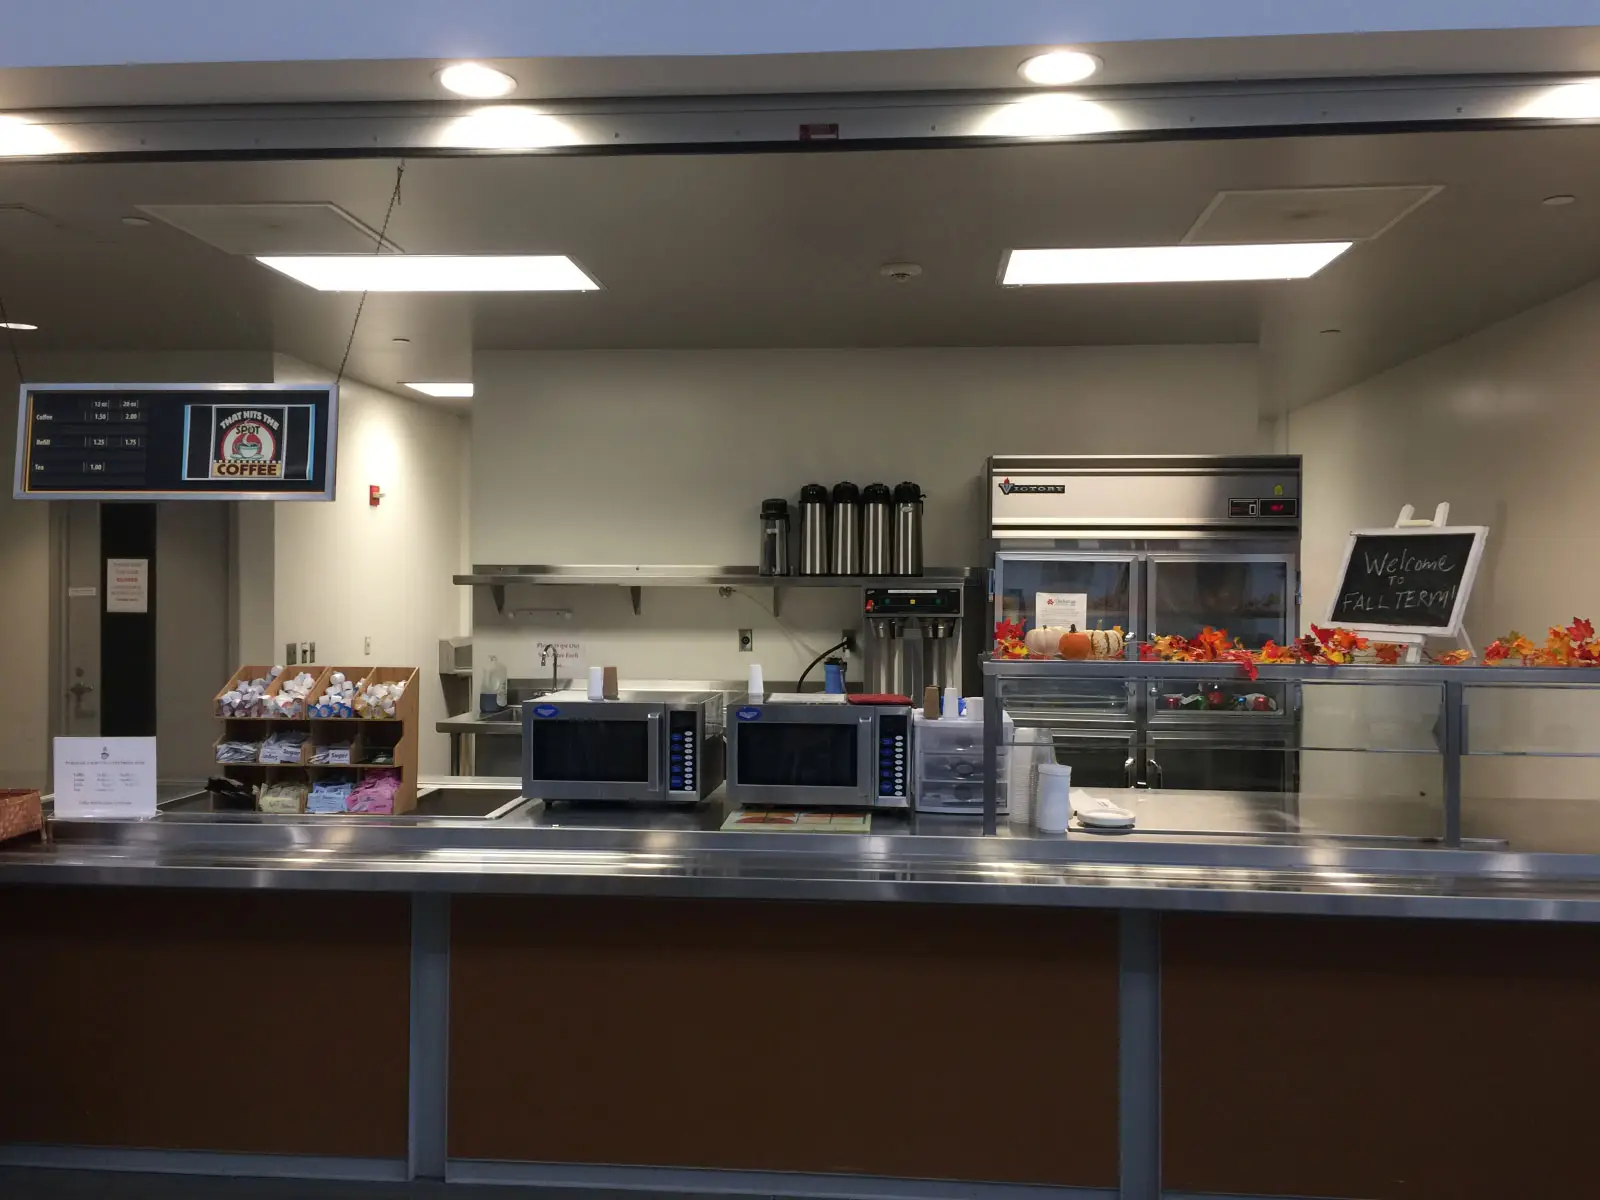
1408,580
176,441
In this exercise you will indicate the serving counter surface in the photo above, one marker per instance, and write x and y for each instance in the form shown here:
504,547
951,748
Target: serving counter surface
480,835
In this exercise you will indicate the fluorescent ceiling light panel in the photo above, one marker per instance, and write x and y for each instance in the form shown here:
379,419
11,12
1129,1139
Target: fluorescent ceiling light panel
433,272
21,326
1170,264
443,391
1565,102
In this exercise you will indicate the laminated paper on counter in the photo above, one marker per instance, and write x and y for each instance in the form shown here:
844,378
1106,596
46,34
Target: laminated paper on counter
105,777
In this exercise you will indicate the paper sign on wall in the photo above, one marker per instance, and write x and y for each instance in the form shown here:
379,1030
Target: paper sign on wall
1061,610
105,777
127,585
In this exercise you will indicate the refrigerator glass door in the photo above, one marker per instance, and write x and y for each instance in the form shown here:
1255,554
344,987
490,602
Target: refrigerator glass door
1062,586
1250,596
1025,581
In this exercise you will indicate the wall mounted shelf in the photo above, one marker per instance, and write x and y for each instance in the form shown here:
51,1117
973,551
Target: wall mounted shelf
638,577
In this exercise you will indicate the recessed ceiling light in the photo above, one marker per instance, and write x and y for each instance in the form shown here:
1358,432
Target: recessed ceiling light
19,326
900,272
443,391
433,272
1558,201
136,222
1059,67
1169,264
476,80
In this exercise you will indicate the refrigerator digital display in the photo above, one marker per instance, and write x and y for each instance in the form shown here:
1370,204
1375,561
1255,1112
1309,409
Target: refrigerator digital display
176,442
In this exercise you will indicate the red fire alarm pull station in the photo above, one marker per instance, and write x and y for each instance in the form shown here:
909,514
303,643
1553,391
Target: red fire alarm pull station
374,495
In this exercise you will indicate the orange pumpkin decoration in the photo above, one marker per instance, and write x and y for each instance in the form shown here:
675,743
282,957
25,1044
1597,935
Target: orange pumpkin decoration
1076,645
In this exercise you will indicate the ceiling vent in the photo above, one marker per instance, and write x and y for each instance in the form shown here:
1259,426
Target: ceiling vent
313,228
1338,214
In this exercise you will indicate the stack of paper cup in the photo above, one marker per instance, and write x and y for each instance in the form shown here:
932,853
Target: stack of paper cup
597,683
1053,805
757,690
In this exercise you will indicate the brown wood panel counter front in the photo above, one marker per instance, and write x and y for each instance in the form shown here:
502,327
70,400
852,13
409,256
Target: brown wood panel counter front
901,1040
1387,1060
252,1022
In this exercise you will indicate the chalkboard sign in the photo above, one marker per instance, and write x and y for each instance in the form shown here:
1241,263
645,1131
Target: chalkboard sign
1408,580
176,441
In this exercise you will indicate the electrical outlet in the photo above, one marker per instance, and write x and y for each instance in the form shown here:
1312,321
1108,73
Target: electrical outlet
747,640
291,654
366,646
848,637
311,652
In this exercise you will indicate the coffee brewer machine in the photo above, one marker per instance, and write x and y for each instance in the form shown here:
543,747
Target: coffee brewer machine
913,639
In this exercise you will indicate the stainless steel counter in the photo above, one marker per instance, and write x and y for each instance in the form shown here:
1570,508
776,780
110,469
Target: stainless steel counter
482,837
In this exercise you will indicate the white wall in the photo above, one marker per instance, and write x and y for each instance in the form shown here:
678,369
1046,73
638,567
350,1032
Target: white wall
1502,424
345,572
665,456
24,615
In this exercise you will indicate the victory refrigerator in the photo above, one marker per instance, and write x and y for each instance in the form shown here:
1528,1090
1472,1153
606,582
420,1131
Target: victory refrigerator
1156,546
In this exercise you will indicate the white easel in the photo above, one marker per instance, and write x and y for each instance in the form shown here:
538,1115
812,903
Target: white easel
1414,640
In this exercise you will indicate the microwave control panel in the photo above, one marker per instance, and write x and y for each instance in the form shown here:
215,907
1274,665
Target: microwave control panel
683,756
894,748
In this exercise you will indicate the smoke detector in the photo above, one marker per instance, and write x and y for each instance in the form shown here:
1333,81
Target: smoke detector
900,272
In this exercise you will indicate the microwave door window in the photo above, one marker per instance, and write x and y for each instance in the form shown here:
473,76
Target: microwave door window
590,751
815,756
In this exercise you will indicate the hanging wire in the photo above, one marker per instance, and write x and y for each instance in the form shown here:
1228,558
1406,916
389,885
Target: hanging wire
394,199
11,340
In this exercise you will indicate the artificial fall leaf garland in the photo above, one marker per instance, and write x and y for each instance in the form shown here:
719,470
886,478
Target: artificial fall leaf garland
1574,645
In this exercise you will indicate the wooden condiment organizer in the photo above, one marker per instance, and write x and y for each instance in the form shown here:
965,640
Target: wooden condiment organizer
367,733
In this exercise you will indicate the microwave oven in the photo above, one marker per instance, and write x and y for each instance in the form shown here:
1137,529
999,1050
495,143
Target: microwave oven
656,747
819,755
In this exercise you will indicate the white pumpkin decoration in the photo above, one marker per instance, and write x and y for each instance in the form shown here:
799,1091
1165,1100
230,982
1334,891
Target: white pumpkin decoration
1106,643
1044,642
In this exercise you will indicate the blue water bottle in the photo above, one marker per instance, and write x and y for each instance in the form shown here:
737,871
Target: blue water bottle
833,676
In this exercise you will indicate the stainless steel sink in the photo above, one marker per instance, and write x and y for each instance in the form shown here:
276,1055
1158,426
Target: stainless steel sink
485,803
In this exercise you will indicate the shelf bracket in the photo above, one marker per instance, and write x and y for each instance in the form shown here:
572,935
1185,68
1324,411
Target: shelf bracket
777,604
498,591
636,594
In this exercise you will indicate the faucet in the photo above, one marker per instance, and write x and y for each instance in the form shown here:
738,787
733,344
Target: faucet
555,663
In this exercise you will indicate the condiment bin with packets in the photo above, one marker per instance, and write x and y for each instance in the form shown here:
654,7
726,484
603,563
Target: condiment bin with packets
322,739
